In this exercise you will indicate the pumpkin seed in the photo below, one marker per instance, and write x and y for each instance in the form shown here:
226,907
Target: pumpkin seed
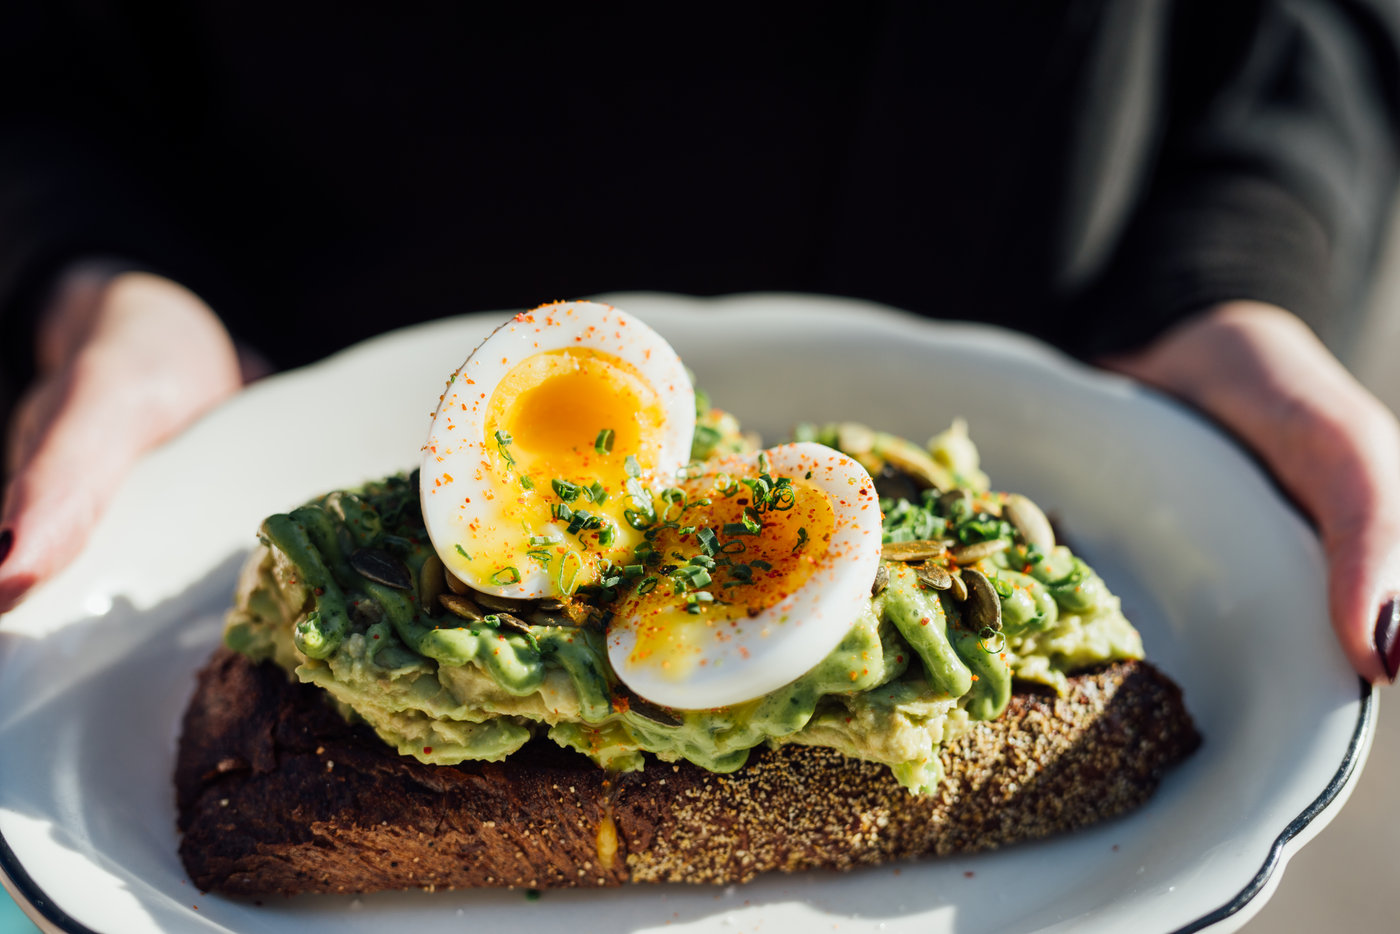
971,554
854,438
917,550
493,602
431,584
912,459
935,576
983,606
958,588
648,710
461,606
454,584
1030,522
382,568
882,580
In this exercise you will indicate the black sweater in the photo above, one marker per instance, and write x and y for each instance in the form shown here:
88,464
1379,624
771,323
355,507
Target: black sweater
1088,171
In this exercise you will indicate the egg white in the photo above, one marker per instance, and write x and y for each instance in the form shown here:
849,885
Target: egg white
746,657
463,490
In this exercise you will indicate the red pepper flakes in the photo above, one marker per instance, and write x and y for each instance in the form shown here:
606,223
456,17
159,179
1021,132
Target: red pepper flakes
427,750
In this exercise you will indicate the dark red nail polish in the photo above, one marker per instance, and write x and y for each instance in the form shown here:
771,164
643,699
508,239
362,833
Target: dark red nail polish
7,540
1388,636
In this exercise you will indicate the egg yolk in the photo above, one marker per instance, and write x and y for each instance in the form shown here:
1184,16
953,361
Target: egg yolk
565,432
757,557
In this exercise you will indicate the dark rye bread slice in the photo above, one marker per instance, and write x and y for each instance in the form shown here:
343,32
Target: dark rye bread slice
277,794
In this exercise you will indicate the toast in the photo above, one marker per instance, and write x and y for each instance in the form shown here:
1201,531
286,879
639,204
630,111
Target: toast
278,793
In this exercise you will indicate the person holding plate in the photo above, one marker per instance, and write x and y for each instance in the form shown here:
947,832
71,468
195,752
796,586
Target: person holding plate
189,198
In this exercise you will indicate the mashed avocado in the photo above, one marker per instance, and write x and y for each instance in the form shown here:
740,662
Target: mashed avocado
346,593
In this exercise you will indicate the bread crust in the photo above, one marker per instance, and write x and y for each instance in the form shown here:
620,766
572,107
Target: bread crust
278,794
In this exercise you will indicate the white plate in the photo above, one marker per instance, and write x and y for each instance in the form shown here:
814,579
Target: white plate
1221,576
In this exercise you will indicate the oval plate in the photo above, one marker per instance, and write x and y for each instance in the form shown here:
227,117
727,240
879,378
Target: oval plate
1221,576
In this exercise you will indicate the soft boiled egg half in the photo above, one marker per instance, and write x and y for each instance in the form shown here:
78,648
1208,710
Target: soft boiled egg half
559,459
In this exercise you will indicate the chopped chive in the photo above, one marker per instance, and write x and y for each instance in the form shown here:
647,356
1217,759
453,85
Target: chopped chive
506,575
607,534
749,526
527,483
704,441
694,600
647,585
690,577
708,540
801,538
703,561
762,565
561,512
633,468
503,440
596,492
568,577
462,551
565,490
604,442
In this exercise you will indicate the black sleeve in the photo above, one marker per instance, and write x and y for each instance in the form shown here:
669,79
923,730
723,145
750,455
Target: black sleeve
89,163
1276,175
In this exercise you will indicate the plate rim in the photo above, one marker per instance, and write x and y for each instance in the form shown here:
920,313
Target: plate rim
47,915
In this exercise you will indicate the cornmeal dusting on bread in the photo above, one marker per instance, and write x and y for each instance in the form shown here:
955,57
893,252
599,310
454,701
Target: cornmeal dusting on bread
385,821
1018,778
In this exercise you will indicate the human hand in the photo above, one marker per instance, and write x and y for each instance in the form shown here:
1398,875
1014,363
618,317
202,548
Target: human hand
1262,374
125,360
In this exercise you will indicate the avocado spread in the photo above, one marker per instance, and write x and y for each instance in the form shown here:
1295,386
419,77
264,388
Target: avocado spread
347,593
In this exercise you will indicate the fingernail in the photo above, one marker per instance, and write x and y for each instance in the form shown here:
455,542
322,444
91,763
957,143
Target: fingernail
7,540
1388,636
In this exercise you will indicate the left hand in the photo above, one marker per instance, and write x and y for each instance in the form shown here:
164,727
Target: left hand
126,359
1262,374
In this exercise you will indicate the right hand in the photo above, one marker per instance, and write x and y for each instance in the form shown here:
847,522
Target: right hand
125,360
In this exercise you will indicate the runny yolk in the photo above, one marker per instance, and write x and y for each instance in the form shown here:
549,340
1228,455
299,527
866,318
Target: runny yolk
752,573
543,423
